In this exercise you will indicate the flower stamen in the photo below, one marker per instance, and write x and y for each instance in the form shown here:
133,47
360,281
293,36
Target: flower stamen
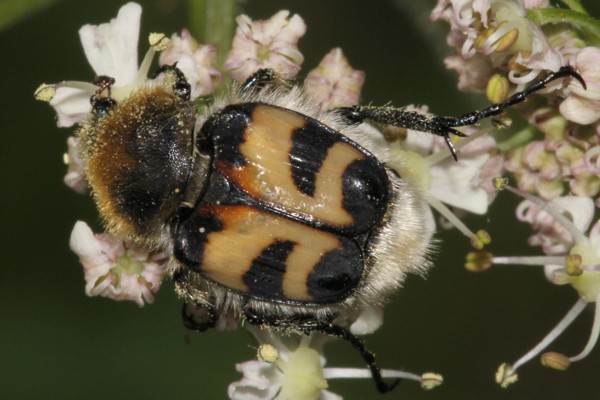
509,372
593,335
576,234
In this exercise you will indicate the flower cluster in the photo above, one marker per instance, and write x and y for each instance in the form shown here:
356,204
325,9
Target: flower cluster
293,368
500,49
501,46
121,269
117,269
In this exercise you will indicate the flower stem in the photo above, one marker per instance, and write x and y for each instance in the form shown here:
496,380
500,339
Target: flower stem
518,139
530,260
553,334
449,215
213,21
353,373
575,5
593,335
587,25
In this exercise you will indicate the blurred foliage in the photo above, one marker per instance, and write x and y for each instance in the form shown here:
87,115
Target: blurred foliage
13,11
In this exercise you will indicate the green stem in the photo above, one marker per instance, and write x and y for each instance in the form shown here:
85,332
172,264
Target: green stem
518,139
575,5
588,26
213,21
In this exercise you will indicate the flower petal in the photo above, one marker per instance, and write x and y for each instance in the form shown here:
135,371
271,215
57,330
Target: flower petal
451,183
72,106
580,110
111,48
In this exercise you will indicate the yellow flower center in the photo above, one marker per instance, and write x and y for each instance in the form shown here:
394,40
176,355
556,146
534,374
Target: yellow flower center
588,283
414,165
303,377
127,265
262,52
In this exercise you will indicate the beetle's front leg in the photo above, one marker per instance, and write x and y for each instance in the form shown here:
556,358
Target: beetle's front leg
261,79
402,118
181,87
444,126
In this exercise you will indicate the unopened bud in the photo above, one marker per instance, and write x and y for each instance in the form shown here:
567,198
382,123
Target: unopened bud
507,40
502,121
556,361
497,88
393,133
478,261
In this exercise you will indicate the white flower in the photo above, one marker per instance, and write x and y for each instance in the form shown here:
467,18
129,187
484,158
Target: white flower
473,73
268,43
334,83
117,269
75,177
538,55
196,61
293,368
578,266
550,234
583,105
111,50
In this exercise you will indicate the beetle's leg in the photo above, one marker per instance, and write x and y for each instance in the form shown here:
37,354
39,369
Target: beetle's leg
101,101
359,345
198,312
198,317
444,126
181,87
401,118
306,324
260,79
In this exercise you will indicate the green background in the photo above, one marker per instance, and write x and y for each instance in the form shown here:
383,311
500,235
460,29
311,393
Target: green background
56,343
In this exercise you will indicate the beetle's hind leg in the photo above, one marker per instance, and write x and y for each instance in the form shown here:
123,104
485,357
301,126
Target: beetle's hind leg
306,324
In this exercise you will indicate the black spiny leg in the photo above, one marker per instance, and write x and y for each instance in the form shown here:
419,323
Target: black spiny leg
444,126
359,345
307,324
260,79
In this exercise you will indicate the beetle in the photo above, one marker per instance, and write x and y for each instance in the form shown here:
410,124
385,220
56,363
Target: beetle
271,210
